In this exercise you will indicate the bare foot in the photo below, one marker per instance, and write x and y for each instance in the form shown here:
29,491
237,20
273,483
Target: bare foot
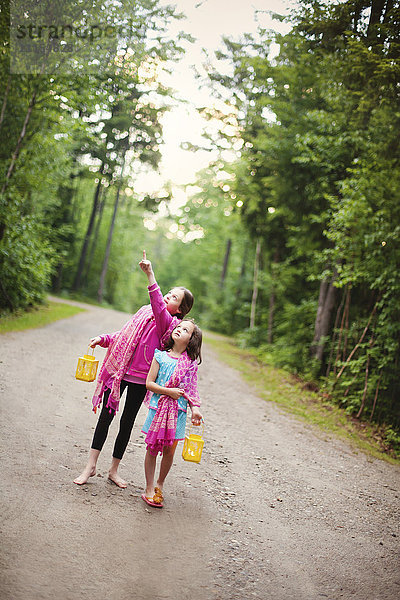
149,492
115,478
84,476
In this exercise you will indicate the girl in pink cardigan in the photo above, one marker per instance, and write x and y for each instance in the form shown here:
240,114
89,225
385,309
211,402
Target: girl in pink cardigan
172,384
126,364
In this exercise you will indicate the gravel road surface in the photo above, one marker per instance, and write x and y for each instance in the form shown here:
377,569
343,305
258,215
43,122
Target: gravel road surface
276,510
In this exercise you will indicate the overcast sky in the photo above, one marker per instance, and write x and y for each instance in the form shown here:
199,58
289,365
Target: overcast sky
207,21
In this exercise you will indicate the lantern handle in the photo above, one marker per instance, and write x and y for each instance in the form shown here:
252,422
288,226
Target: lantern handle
202,423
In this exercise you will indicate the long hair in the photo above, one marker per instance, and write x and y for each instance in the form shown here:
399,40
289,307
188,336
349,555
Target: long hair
194,346
186,304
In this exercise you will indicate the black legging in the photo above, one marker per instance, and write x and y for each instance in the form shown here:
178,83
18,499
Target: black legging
133,401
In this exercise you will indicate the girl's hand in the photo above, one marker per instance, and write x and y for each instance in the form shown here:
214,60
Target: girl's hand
145,265
197,417
95,341
175,393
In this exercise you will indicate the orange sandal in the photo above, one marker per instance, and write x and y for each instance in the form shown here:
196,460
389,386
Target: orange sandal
158,498
152,501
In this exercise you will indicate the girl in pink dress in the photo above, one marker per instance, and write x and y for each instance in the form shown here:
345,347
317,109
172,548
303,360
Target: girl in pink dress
126,364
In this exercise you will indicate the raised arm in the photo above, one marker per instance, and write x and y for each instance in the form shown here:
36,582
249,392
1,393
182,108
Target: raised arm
162,317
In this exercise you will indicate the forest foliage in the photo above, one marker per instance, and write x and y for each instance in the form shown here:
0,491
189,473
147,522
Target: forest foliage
293,246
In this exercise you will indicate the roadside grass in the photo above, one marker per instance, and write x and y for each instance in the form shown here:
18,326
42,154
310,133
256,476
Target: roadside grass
39,316
283,388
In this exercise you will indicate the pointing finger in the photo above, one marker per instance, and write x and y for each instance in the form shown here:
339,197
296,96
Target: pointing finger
144,254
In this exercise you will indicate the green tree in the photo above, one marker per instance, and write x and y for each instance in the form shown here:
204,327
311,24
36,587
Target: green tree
54,123
319,124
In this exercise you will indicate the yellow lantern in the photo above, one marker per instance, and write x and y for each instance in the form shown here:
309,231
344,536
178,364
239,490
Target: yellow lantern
87,367
193,446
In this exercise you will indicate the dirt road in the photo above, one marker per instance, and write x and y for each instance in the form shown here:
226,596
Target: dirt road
275,510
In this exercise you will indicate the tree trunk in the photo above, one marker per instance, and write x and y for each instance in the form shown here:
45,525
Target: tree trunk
389,6
109,239
272,299
235,316
7,299
365,390
271,310
19,142
3,108
95,236
377,10
225,265
326,302
346,325
326,319
255,285
78,277
323,287
242,273
339,310
57,278
67,193
376,396
108,247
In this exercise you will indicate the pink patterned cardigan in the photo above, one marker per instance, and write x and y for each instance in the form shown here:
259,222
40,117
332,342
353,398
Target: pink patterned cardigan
125,343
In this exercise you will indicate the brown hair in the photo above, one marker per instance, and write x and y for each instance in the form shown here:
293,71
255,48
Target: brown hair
194,346
186,304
